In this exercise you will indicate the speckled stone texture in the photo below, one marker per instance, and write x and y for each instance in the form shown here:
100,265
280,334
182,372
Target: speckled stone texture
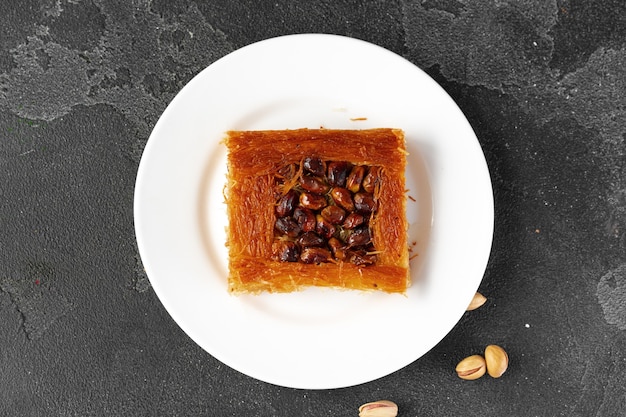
82,83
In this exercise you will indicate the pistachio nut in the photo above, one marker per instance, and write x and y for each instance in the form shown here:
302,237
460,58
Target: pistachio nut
477,301
472,367
497,360
382,408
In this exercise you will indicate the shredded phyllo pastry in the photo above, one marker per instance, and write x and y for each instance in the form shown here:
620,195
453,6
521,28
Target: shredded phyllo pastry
321,208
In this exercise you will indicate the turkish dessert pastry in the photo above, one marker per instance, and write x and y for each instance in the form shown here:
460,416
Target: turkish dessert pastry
316,207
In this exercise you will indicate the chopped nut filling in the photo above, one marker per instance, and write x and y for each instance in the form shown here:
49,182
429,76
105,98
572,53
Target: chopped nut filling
324,210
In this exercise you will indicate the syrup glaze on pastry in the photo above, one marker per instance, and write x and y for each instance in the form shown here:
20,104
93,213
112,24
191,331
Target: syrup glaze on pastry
317,207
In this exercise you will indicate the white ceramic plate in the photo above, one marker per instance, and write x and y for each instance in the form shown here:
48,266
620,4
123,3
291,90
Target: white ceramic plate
316,338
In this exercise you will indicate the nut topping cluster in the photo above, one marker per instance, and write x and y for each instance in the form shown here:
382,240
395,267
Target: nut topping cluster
323,212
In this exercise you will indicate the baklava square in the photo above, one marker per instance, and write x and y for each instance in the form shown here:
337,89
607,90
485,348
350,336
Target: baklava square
316,208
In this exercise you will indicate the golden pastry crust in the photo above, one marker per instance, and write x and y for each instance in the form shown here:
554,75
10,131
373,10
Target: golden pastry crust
255,158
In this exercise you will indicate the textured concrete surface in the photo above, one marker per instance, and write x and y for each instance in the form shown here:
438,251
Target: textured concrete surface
82,83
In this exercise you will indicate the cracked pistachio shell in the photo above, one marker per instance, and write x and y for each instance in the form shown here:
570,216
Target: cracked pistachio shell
477,301
497,360
472,367
382,408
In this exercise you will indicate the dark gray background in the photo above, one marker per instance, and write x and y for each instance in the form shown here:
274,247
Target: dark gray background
82,83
